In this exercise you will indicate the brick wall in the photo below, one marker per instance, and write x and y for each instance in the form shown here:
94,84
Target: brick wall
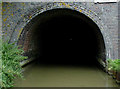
119,30
105,15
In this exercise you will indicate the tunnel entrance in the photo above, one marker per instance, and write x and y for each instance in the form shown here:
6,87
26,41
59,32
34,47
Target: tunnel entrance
63,36
66,46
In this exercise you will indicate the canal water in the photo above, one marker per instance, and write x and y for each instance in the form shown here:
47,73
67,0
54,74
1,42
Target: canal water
64,75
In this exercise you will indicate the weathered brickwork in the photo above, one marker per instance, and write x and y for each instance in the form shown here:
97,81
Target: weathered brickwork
0,39
119,30
0,19
105,15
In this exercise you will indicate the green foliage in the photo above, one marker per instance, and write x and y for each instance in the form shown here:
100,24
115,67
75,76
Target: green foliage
11,58
109,63
117,64
114,64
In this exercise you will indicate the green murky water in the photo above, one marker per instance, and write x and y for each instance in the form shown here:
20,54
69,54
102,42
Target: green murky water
64,76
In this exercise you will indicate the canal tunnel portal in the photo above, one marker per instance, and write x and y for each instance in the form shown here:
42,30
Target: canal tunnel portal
22,24
73,33
63,36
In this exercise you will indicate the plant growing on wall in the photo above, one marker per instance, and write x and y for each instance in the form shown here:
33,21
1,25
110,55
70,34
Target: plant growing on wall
110,64
117,65
114,68
118,70
114,64
11,58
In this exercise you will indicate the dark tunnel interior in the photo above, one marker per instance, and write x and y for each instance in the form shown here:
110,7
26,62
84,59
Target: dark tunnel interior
66,39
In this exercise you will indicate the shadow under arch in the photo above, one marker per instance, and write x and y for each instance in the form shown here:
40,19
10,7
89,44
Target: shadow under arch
63,34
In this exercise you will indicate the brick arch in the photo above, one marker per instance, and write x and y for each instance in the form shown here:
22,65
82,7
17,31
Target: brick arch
89,13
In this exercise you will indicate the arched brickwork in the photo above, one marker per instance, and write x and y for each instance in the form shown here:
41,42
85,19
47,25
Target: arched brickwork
15,35
87,14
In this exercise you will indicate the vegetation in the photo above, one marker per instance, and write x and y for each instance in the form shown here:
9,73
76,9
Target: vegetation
11,58
117,65
114,64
